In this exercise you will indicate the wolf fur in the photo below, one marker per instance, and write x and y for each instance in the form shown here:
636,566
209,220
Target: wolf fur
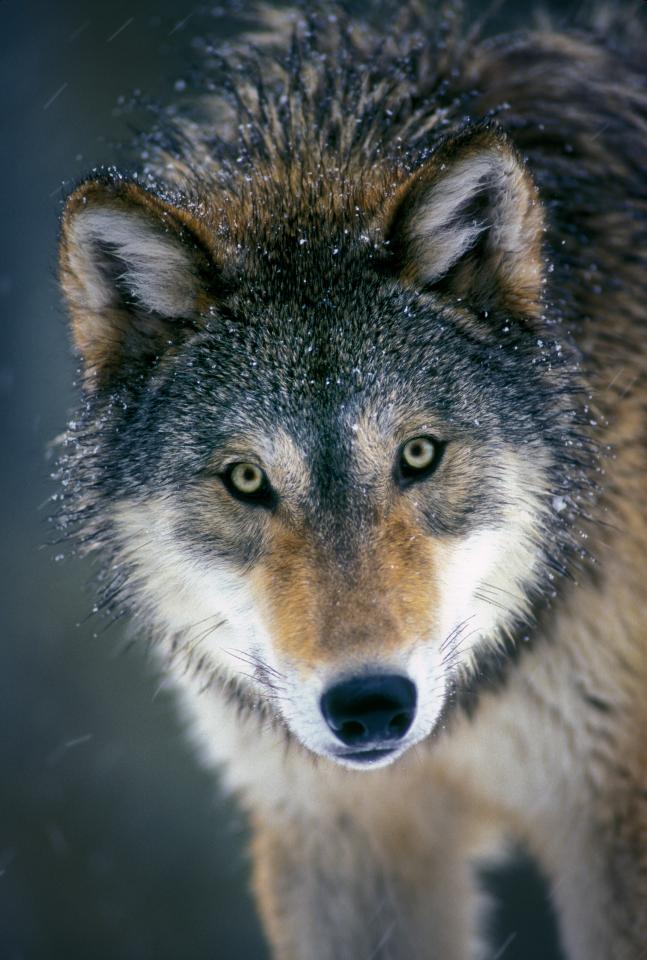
365,237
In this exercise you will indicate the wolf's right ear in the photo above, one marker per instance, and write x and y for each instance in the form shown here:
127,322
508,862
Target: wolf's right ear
469,223
136,272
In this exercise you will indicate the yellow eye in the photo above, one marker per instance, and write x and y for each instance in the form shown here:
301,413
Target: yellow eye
418,459
247,482
246,478
418,453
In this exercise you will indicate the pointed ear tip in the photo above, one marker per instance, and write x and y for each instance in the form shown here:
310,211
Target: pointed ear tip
479,139
107,187
483,133
94,191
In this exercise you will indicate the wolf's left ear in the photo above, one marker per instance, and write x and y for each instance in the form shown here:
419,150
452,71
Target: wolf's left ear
470,223
136,273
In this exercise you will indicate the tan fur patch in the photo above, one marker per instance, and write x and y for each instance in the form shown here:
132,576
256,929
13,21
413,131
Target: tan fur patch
320,609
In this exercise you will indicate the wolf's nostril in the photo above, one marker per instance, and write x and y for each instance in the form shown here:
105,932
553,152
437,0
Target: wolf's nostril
370,710
351,732
400,724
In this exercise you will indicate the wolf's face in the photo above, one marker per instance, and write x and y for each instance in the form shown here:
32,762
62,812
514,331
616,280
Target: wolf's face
321,461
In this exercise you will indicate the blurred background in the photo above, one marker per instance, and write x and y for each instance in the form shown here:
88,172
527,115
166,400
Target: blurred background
113,842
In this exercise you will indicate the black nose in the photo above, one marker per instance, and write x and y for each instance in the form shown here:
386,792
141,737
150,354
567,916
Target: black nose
370,710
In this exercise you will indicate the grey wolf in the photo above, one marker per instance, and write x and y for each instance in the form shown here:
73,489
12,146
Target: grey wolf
361,442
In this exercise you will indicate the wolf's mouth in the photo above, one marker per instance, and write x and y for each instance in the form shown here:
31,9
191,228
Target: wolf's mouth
366,756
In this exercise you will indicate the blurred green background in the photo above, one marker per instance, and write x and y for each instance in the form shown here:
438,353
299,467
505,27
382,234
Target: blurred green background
113,843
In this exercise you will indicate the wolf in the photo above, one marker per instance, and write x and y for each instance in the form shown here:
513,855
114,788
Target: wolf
361,443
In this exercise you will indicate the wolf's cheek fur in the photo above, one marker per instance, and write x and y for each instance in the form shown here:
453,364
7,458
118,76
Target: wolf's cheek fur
193,608
485,577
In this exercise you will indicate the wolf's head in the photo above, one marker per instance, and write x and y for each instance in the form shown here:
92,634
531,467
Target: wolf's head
319,428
